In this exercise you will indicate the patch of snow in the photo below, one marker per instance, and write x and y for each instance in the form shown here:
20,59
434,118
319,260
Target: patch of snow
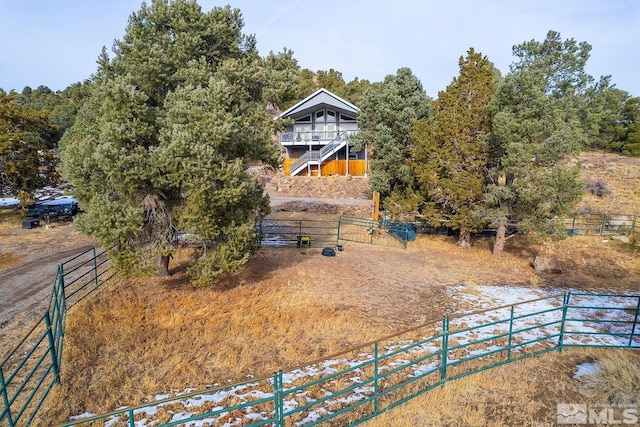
586,369
81,416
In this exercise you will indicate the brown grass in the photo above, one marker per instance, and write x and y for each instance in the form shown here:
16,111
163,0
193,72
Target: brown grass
617,381
286,308
522,393
160,337
620,174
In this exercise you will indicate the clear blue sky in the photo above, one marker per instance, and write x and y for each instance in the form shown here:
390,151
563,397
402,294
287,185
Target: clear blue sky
56,43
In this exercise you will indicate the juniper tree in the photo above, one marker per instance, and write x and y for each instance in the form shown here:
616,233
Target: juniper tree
163,143
449,158
539,118
388,111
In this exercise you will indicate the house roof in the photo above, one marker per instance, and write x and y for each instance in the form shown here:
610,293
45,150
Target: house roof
317,99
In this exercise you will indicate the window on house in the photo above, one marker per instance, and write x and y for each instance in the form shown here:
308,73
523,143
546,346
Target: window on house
331,116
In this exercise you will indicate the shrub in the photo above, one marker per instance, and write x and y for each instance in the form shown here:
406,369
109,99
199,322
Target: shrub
598,188
617,381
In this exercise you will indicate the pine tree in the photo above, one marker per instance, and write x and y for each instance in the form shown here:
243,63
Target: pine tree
388,111
539,118
163,144
449,158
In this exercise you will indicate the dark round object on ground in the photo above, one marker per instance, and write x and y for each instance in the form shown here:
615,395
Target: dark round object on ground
328,252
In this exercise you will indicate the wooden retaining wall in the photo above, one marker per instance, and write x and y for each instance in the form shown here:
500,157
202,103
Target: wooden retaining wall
331,167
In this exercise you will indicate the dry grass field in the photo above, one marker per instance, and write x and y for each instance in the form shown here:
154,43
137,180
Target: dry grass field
144,337
622,177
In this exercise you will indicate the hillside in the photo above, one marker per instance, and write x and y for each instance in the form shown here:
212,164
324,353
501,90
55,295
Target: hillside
620,174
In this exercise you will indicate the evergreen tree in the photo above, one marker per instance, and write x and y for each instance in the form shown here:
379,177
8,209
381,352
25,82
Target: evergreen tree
163,143
283,75
24,133
355,90
388,111
449,159
628,127
332,81
539,118
308,83
605,114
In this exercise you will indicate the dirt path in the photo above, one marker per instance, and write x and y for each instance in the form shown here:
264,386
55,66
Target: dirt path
26,289
28,262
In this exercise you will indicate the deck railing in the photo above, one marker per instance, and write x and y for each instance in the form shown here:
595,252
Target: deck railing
311,137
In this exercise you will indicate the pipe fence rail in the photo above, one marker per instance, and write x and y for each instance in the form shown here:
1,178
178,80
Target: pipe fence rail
356,385
602,224
32,368
279,233
581,225
318,233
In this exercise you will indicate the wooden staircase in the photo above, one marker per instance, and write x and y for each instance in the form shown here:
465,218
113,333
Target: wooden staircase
316,157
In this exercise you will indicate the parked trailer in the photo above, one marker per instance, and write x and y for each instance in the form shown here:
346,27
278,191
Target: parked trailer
64,206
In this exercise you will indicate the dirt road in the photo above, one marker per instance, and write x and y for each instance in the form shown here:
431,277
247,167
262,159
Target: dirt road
28,263
25,289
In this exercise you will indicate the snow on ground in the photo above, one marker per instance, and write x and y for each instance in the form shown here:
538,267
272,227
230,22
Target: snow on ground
586,369
532,315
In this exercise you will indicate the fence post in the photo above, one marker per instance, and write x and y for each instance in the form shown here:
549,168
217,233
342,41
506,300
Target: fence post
278,399
635,323
338,236
5,399
52,347
375,378
510,336
633,224
374,227
565,303
573,226
57,322
445,345
95,266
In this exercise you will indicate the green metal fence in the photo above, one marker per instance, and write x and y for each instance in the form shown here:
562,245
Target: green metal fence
353,386
603,224
582,225
317,233
366,230
32,368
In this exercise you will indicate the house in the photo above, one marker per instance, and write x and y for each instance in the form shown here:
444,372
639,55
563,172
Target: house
317,143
